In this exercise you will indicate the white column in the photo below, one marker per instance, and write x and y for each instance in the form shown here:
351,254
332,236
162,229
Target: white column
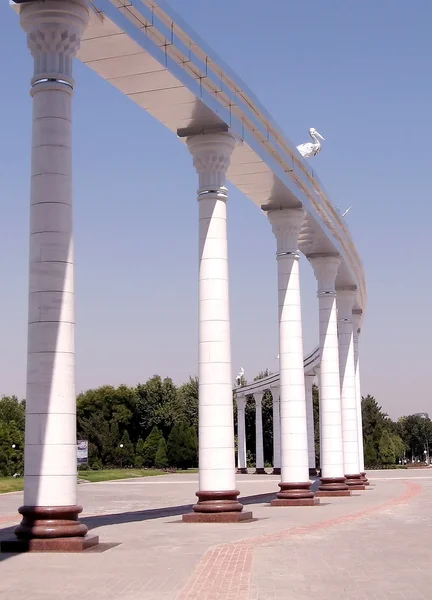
331,447
345,303
217,485
309,379
295,484
241,435
276,432
259,444
54,31
356,324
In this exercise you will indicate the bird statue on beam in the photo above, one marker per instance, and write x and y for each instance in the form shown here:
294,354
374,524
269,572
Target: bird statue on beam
239,378
311,148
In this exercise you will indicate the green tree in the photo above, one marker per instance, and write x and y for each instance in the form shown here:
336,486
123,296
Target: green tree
182,446
139,454
151,446
12,418
386,448
399,446
188,400
158,404
161,458
126,452
370,453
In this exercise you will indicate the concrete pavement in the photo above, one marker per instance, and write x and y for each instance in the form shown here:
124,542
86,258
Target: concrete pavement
372,545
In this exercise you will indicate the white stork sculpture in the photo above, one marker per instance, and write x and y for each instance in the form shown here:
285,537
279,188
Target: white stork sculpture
311,148
239,377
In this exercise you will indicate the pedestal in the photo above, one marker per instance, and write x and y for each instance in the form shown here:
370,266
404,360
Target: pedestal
50,529
218,507
295,494
332,486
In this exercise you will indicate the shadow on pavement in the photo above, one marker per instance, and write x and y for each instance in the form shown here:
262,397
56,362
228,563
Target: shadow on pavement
135,517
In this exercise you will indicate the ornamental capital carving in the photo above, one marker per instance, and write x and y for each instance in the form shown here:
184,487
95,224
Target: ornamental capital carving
211,155
286,225
326,268
54,29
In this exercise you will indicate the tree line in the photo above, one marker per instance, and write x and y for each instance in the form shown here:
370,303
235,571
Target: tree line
155,424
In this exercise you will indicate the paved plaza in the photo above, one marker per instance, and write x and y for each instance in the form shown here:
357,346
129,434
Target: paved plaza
374,545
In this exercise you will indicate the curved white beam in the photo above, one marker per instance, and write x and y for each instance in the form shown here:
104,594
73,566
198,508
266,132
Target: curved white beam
146,51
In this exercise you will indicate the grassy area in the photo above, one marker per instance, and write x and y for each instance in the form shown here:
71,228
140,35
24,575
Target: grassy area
112,474
10,484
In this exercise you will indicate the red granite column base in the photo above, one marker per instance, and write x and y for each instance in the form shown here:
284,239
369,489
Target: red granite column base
221,517
50,529
295,494
66,544
260,471
355,482
242,471
276,471
217,507
364,478
332,486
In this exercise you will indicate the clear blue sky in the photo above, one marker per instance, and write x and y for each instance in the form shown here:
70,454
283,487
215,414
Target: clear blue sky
360,72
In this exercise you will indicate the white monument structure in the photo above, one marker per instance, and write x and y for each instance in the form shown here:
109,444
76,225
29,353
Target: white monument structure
140,49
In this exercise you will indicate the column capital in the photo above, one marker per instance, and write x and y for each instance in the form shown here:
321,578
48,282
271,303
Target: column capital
286,225
241,402
345,298
258,396
54,29
309,379
275,392
211,153
326,268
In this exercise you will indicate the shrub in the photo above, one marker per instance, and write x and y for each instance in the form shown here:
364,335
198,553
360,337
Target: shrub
150,447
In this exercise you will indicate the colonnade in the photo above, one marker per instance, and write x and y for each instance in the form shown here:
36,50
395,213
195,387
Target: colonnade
50,511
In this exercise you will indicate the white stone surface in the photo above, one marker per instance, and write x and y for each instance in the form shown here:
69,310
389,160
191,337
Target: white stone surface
276,429
259,444
241,433
345,303
53,32
309,381
211,156
331,455
286,225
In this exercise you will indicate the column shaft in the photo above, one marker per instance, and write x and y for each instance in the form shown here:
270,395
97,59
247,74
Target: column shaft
217,486
259,443
309,379
295,484
331,446
50,511
241,435
276,433
345,302
356,321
